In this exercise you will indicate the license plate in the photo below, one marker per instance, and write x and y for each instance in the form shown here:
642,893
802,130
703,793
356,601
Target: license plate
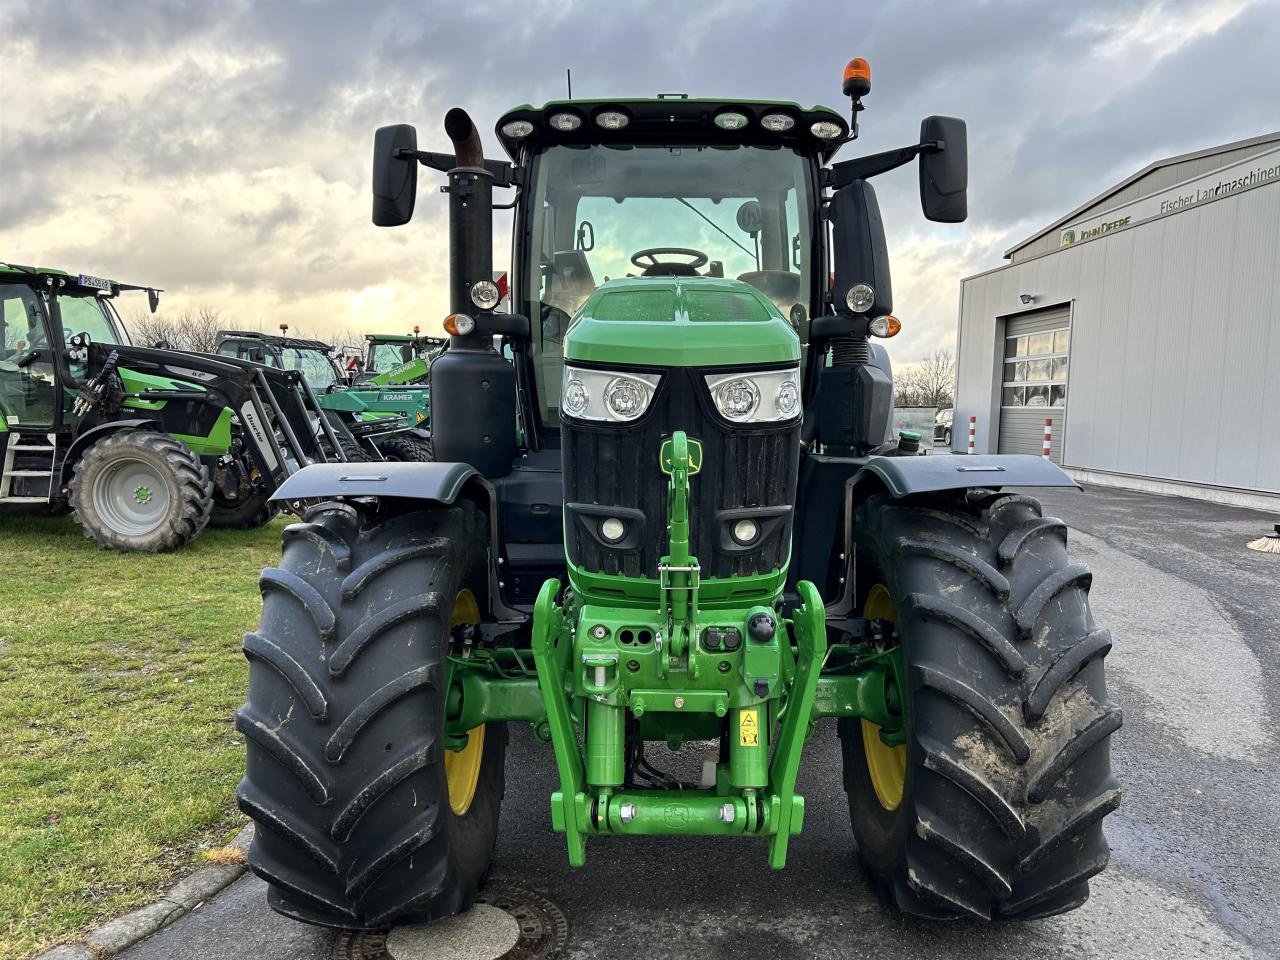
95,283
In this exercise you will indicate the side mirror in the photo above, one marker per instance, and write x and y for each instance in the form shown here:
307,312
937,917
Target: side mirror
395,178
153,298
861,253
944,173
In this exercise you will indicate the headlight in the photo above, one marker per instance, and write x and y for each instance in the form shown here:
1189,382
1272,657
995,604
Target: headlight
731,120
777,122
606,395
826,129
766,396
612,119
860,297
565,122
485,294
517,129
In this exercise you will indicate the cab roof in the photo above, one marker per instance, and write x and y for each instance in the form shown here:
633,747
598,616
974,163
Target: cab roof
275,340
76,282
675,117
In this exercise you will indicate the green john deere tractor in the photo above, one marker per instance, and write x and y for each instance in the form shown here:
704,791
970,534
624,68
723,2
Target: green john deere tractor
373,422
705,535
146,446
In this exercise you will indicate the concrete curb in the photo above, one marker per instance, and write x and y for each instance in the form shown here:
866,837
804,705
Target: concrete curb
184,896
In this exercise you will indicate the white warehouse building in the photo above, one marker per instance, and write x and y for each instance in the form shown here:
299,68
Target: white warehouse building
1146,325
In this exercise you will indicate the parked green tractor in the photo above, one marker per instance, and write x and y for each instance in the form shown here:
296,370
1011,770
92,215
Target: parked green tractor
701,533
383,422
145,446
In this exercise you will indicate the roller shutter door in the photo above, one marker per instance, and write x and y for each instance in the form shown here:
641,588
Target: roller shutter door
1034,381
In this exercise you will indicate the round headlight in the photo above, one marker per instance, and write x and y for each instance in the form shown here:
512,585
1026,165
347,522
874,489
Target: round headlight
485,294
517,129
787,399
625,398
777,122
613,529
860,297
826,129
745,531
737,399
564,122
731,120
576,397
612,119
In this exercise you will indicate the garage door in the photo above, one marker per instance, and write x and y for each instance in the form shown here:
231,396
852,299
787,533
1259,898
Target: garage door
1034,381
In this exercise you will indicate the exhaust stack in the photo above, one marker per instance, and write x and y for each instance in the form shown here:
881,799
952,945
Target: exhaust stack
470,220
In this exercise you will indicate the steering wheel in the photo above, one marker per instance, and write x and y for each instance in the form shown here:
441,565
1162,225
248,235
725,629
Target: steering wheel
698,258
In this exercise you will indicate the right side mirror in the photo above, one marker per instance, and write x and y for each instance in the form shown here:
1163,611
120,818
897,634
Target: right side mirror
395,178
944,174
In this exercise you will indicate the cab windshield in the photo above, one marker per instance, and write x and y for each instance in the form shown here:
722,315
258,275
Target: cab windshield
91,315
607,212
315,366
384,356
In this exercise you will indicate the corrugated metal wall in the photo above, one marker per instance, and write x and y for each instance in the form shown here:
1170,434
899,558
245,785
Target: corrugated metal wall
1175,350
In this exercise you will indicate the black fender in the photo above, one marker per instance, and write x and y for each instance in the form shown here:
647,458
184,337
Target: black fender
442,483
87,439
904,476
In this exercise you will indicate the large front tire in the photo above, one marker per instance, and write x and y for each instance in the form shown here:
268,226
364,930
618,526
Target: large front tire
364,818
141,491
1000,790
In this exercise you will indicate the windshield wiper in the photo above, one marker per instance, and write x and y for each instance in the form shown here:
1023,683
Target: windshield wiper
719,228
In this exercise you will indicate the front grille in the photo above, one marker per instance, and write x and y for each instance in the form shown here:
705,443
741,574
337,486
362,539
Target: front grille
616,465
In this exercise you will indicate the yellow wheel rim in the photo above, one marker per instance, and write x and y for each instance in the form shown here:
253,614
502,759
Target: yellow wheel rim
886,765
462,767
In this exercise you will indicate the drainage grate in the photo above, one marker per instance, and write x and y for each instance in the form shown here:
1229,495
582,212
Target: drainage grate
544,930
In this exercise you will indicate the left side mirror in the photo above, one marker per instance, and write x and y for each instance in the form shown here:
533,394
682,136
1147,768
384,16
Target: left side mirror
944,173
395,178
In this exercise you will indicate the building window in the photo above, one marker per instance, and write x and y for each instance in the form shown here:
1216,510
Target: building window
1035,369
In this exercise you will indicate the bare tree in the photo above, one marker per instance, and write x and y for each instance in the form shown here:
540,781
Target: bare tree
927,383
193,329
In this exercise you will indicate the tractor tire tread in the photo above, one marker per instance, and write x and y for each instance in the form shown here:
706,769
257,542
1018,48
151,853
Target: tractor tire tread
1009,776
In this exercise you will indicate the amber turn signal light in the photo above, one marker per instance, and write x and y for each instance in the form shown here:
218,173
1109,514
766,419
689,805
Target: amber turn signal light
458,324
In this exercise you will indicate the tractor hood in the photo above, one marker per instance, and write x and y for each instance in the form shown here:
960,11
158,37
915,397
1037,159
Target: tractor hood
680,322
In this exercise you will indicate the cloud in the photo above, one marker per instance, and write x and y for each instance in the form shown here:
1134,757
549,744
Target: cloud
222,150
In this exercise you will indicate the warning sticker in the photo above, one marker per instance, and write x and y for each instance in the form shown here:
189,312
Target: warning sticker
748,728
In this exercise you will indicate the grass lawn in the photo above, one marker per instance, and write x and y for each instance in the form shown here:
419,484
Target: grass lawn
119,675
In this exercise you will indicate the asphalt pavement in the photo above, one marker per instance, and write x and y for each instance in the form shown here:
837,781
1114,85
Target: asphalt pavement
1195,870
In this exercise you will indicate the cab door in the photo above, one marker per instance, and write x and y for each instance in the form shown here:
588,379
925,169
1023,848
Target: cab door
28,387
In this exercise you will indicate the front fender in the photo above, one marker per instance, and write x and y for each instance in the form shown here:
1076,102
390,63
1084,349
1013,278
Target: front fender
90,437
903,476
438,482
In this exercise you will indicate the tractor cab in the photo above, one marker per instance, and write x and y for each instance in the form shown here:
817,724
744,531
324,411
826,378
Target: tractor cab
386,351
312,358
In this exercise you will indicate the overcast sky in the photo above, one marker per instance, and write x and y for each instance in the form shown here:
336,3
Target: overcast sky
221,149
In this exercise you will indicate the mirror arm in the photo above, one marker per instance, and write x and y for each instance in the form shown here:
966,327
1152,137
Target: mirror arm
861,168
504,174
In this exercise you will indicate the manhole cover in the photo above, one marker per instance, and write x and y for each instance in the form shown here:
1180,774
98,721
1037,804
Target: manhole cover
504,914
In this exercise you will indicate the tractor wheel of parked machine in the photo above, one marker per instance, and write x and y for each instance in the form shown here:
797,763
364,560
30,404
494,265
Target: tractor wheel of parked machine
141,490
249,511
369,810
992,805
406,447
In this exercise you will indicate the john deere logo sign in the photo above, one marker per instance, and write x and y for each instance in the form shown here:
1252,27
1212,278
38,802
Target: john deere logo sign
1254,171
